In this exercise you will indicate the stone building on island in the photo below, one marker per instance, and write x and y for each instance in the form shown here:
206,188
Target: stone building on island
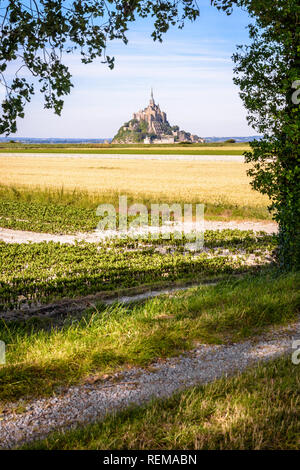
151,126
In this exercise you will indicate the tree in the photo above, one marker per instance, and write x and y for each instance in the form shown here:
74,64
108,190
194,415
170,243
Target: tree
268,73
35,35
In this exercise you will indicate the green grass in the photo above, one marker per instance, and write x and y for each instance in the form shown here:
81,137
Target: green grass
129,151
257,410
60,211
42,356
219,148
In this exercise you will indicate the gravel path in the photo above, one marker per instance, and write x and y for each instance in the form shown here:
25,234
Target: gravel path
93,400
19,236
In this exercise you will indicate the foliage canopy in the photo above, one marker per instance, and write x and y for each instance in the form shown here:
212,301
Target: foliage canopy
36,34
268,74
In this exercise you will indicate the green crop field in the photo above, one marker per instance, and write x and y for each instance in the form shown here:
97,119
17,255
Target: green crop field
66,212
45,272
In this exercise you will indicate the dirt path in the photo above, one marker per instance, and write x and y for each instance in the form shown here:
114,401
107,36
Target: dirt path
94,399
19,236
77,306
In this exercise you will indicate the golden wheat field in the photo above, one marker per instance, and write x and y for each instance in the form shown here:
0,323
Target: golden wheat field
207,181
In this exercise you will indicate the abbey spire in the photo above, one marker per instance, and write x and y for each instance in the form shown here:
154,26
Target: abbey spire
152,102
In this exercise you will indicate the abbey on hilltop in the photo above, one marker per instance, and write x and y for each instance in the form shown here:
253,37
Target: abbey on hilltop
152,127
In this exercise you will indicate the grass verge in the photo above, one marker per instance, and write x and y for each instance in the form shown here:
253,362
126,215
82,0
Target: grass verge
257,410
41,357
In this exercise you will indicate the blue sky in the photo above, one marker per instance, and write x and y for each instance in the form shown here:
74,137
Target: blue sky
191,74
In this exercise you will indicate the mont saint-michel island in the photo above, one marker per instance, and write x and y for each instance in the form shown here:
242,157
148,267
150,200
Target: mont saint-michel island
151,126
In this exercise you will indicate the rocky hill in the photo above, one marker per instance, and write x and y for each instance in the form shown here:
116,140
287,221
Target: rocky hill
150,125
